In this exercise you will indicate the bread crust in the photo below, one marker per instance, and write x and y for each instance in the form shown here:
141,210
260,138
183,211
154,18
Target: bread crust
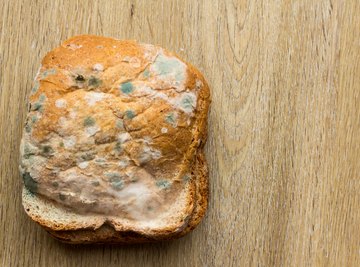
110,230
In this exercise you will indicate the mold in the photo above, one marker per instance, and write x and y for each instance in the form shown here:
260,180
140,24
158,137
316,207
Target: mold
115,180
62,197
95,183
119,124
80,78
89,121
94,82
171,118
130,114
127,88
30,183
35,87
163,184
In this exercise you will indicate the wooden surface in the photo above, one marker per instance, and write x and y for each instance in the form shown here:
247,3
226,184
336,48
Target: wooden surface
284,127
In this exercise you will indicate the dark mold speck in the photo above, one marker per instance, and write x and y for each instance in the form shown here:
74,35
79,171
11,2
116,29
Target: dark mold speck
30,183
47,150
95,183
89,121
94,82
80,78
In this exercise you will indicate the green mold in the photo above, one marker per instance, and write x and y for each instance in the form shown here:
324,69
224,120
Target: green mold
34,119
36,87
42,98
118,147
171,118
89,121
130,114
115,180
187,102
146,73
28,128
94,82
127,88
119,124
163,184
37,106
165,66
48,72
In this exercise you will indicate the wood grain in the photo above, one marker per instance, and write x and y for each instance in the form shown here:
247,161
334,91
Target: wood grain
284,127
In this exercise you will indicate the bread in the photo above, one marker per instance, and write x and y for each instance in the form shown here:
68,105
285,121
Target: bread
112,149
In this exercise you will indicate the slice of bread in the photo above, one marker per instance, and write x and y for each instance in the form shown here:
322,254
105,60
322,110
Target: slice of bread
112,150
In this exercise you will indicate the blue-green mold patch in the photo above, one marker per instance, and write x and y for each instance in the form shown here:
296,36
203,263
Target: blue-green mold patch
127,88
42,98
170,65
187,102
130,114
171,118
48,72
34,119
163,184
115,180
36,87
119,124
38,106
146,73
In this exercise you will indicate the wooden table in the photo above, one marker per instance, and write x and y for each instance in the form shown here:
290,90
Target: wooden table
284,127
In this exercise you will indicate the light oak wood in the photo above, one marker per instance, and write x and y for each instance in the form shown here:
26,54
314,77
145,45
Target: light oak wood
284,126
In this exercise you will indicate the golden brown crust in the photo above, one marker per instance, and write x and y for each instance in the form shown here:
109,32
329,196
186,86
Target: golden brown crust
137,86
